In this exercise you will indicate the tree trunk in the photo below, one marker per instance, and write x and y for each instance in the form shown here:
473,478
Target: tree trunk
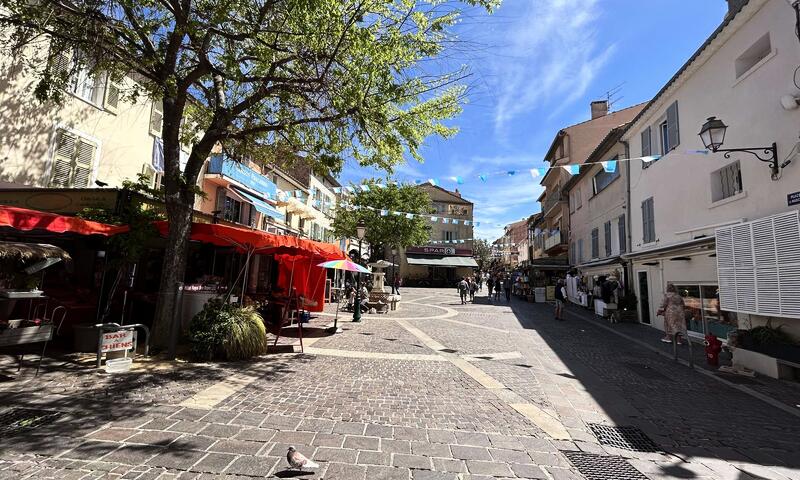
173,269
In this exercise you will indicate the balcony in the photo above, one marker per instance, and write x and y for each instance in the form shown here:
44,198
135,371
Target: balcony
551,200
554,242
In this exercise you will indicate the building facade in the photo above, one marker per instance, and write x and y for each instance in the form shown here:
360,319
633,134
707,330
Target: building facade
448,256
678,203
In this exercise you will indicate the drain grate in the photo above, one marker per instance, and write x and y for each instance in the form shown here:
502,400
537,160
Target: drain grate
646,372
20,419
626,438
599,467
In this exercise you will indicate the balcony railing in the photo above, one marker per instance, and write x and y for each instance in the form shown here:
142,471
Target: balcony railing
552,240
551,200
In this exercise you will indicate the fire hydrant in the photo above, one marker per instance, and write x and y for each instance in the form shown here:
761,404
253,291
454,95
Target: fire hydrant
713,347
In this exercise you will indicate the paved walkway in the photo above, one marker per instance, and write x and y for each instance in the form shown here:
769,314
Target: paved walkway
435,390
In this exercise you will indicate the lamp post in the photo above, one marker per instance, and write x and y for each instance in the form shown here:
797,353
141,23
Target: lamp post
394,254
713,136
361,230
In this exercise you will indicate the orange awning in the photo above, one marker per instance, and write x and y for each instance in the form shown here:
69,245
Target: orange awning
26,220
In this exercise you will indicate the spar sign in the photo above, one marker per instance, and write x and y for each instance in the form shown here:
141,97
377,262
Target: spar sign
119,340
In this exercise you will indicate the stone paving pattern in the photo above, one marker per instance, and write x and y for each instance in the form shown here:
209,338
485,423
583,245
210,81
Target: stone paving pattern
427,416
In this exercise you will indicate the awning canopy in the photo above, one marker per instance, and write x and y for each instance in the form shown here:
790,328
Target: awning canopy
262,206
441,261
244,239
27,220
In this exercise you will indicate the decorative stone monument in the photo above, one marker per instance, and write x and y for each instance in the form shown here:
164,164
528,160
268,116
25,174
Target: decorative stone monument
381,296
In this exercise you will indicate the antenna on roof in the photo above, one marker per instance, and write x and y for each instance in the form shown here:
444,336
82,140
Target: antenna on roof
613,97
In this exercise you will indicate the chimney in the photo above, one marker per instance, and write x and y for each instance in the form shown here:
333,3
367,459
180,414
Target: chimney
734,6
457,193
599,108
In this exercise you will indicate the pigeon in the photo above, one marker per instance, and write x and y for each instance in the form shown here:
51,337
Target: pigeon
298,460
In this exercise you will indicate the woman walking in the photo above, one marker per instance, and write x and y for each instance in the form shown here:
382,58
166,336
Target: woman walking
672,308
490,286
561,296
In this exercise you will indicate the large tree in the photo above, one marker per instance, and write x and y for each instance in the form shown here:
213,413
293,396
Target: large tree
320,80
482,252
377,206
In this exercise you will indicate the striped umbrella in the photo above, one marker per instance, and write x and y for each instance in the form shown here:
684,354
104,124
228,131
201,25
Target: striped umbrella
344,265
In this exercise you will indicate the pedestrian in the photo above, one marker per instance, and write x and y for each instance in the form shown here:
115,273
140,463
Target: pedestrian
561,295
463,287
397,282
498,285
479,279
473,287
489,286
507,284
672,308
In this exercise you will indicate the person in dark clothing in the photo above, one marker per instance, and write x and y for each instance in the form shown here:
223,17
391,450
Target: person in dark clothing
463,288
490,286
507,284
561,296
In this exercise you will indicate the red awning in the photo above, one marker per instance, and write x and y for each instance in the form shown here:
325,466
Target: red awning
245,239
25,219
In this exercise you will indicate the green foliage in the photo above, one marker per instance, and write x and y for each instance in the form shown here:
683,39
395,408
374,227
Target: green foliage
384,231
225,331
139,215
482,253
767,336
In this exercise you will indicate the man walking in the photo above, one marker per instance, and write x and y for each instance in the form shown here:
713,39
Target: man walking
507,287
561,296
463,286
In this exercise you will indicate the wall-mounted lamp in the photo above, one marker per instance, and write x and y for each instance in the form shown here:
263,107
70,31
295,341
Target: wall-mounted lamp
713,136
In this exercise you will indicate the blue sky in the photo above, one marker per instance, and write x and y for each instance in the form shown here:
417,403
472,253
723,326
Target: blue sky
536,65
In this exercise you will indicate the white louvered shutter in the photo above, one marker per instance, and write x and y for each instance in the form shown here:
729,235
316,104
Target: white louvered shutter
61,175
758,266
156,118
111,102
84,159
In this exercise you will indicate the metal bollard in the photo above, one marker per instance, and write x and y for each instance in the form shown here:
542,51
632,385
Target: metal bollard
675,347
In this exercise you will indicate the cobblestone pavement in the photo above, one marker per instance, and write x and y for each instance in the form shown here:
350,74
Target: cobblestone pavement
434,390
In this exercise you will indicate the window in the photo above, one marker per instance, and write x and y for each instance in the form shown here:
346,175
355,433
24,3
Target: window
603,179
672,129
646,150
595,243
648,222
572,258
607,237
703,313
73,161
662,129
580,250
450,235
577,201
757,52
156,118
233,210
623,237
84,82
726,182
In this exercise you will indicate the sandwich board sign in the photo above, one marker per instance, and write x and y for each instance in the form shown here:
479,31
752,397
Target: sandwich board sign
117,341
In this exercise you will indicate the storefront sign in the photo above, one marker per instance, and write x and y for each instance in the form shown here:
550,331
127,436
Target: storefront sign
246,176
116,341
793,199
448,251
59,200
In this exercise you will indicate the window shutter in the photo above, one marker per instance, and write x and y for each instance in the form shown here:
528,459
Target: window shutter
156,118
84,160
607,228
580,250
646,143
673,127
645,222
758,266
651,217
62,161
623,237
111,102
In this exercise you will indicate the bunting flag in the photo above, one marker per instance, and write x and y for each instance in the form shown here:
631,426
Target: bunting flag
458,180
365,188
384,213
534,172
454,221
511,173
572,169
651,158
610,166
482,177
433,181
433,219
409,215
337,190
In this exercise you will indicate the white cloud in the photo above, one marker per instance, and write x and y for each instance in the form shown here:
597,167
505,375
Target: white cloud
501,201
551,59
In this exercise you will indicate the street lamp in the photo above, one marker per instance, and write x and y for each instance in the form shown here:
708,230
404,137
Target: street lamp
713,136
361,230
394,254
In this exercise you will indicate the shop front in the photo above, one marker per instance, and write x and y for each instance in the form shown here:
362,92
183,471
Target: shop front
436,266
692,268
543,274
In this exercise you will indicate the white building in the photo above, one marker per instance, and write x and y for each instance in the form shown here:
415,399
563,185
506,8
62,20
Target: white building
678,202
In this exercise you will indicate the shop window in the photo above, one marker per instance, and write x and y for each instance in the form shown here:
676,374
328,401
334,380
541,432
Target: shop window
73,161
702,310
233,210
726,182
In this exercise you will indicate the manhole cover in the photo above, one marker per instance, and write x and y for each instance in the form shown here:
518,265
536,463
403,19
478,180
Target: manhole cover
20,419
626,438
599,467
646,372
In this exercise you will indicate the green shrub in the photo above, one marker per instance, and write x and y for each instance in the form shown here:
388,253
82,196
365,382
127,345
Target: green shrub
768,336
228,332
